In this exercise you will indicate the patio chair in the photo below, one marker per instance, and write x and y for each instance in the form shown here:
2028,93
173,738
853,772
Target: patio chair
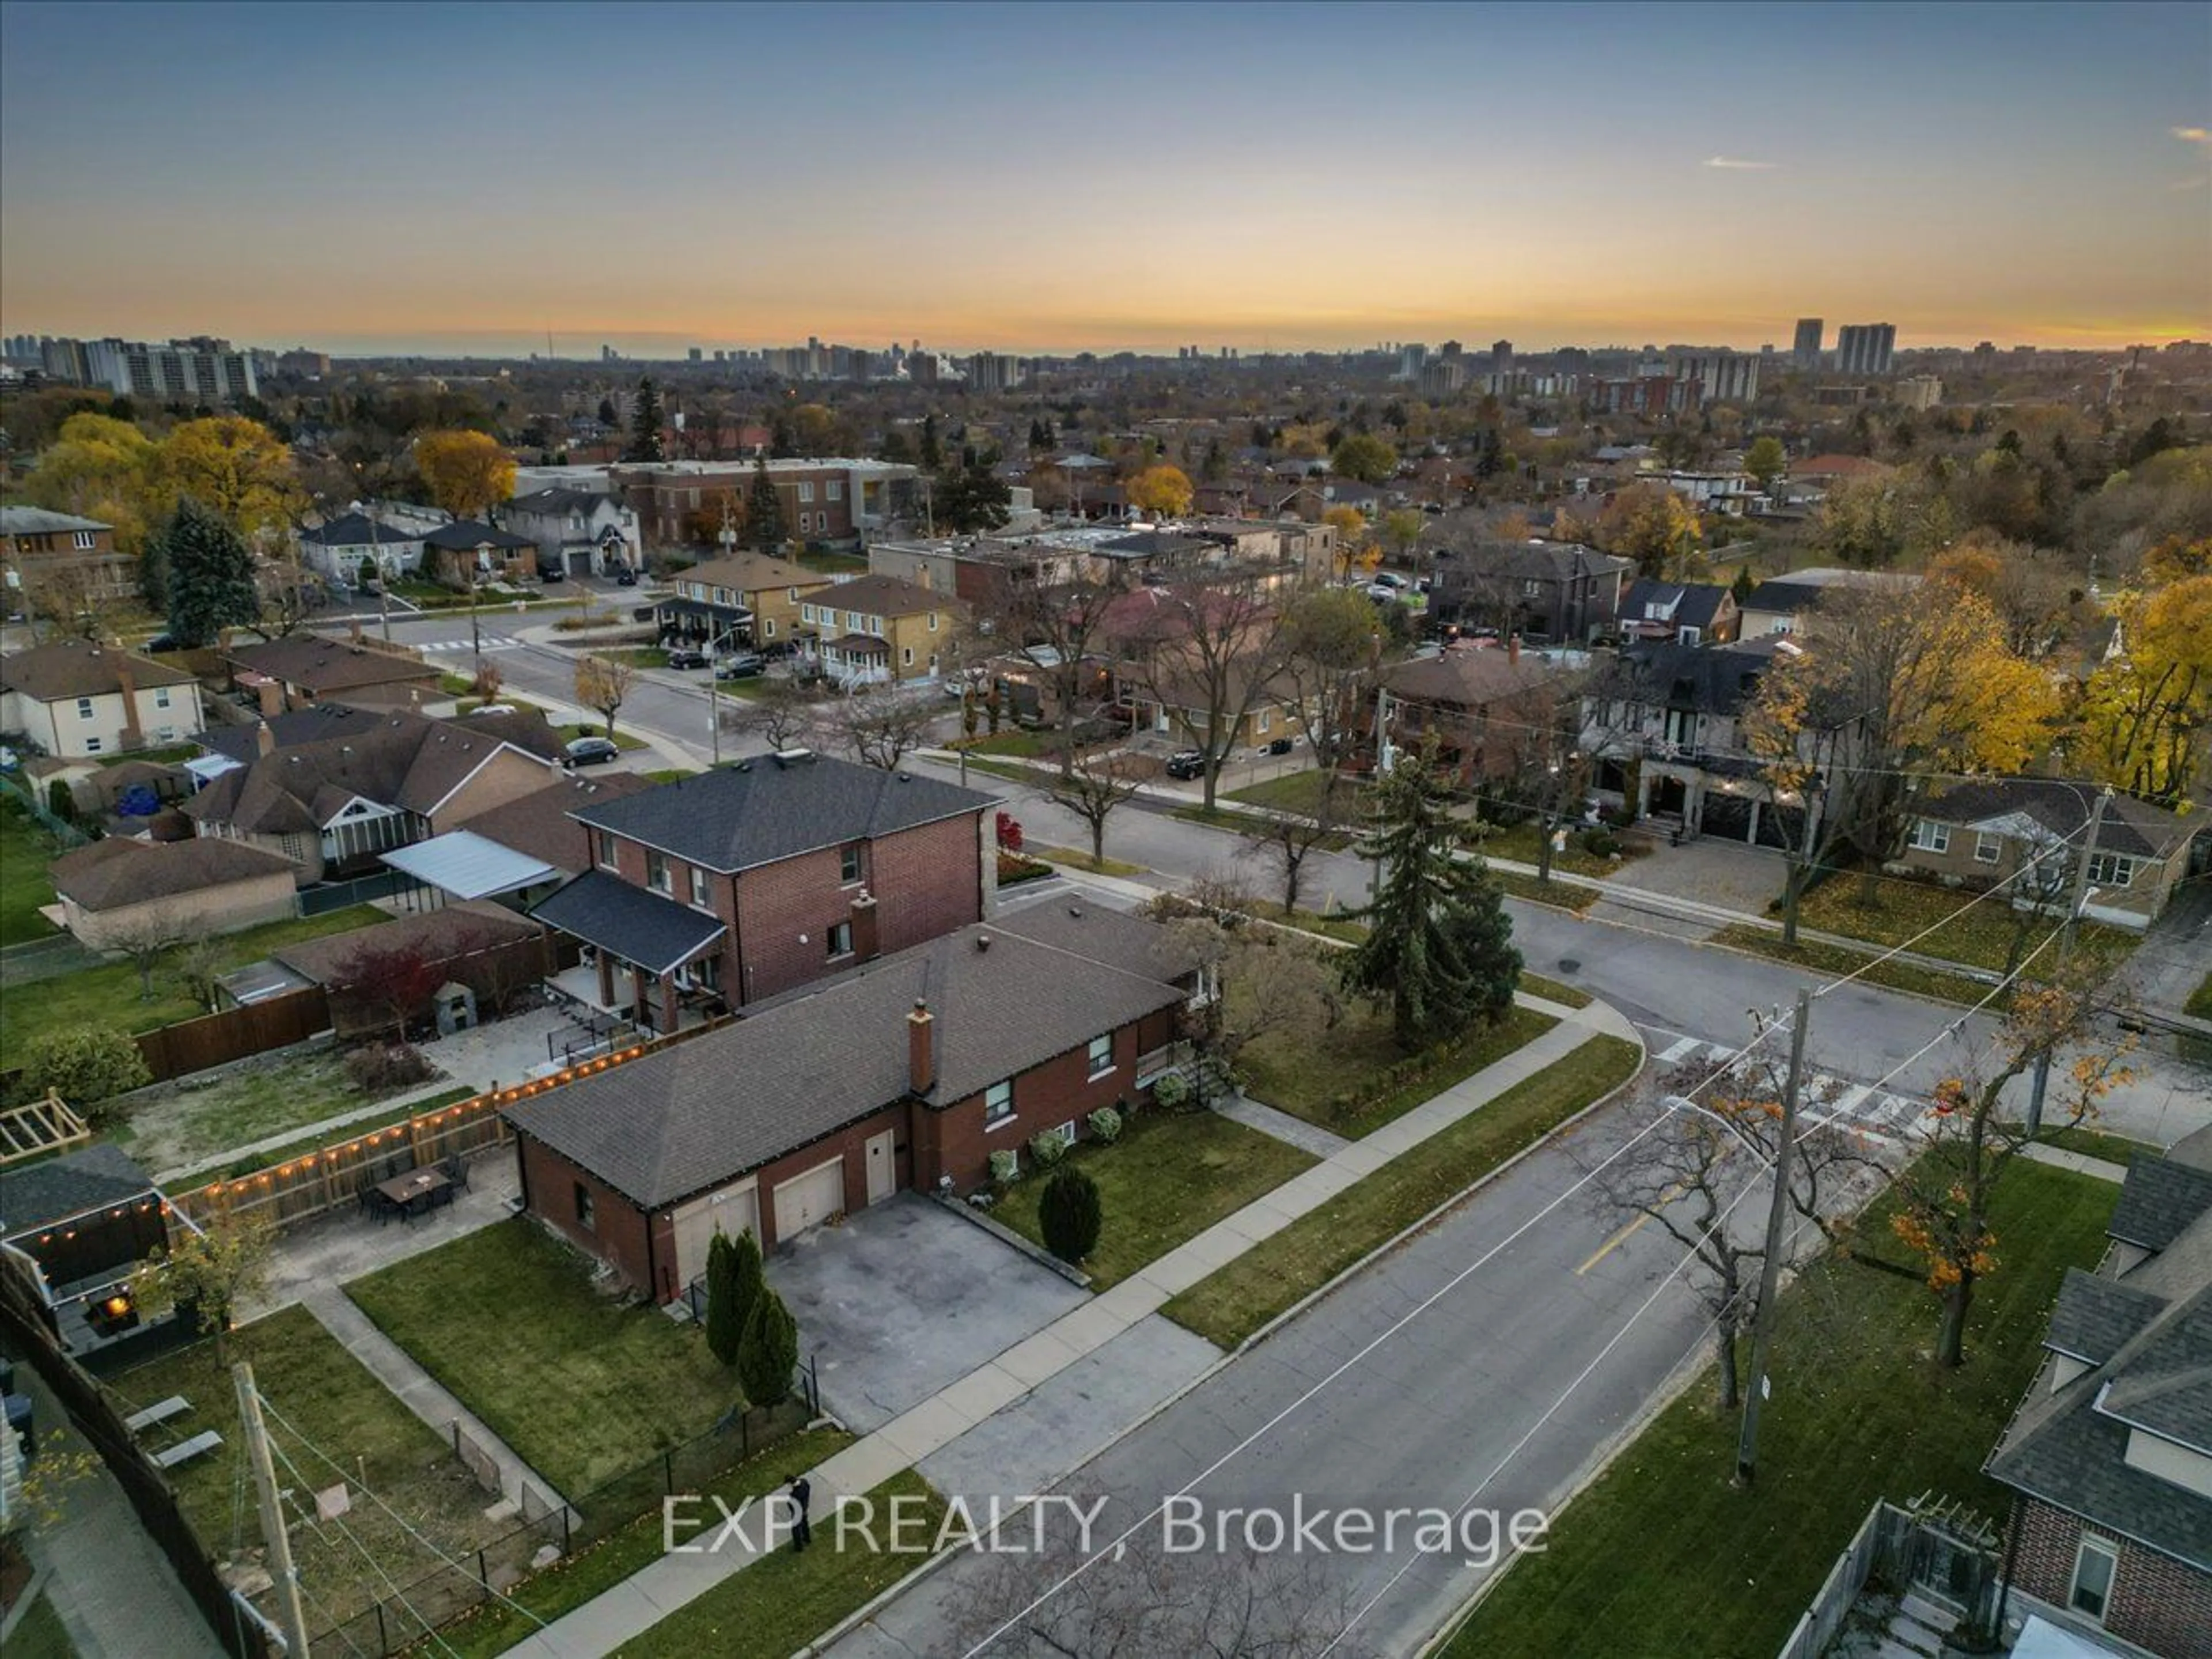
457,1171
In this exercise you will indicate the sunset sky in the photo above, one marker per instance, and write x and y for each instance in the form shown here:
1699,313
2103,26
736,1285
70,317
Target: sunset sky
451,177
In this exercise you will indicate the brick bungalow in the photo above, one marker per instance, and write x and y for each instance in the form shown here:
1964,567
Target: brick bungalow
909,1072
732,886
2111,1453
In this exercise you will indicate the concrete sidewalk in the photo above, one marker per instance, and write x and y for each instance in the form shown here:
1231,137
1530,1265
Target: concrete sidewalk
650,1594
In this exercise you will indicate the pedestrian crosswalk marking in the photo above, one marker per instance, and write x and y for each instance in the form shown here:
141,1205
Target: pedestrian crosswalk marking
1853,1106
470,645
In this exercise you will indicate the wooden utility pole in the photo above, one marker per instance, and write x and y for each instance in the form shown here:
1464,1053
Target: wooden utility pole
2076,900
273,1530
1769,1268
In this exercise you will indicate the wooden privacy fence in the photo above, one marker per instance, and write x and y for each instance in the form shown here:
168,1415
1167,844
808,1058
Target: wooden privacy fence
332,1176
252,1028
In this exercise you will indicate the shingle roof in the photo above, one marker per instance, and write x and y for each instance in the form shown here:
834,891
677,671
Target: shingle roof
753,573
1784,598
537,825
700,1114
885,596
1711,679
78,668
2130,826
757,812
93,1177
2160,1202
2068,1446
556,498
2094,1318
1541,561
38,521
114,872
445,932
464,534
1686,605
608,913
1469,677
359,530
326,665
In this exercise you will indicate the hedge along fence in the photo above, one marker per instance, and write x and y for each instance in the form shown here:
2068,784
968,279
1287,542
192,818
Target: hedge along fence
318,1182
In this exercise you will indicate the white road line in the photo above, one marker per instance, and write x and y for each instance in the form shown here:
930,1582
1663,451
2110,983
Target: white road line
1680,1048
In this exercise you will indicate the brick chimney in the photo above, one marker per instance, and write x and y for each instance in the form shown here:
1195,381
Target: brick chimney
265,739
133,736
921,1048
272,699
865,945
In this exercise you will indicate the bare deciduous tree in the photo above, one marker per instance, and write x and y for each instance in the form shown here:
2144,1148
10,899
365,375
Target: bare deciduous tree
1213,650
603,685
1091,788
783,714
145,938
883,727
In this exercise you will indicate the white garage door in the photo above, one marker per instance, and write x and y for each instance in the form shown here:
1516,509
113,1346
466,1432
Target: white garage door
733,1209
810,1200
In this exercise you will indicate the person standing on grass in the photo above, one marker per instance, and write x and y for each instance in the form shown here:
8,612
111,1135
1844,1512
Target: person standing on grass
800,1492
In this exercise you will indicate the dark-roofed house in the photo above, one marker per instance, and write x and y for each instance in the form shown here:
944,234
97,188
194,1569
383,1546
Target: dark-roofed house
723,889
1982,832
1691,613
909,1072
117,890
879,628
301,669
1490,707
1557,592
333,803
464,553
56,556
2111,1453
74,698
353,545
78,1226
578,532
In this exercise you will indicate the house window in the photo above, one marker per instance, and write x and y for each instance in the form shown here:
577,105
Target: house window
840,936
849,864
855,623
91,745
1263,720
906,656
586,1217
807,615
833,490
2095,1565
1532,589
84,708
1987,846
2111,870
162,696
604,847
698,887
1930,836
998,1103
932,622
806,492
656,872
83,539
767,628
1102,1055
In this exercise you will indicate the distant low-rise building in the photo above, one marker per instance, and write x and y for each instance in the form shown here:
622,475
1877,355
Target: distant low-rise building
354,546
578,532
466,553
64,555
303,669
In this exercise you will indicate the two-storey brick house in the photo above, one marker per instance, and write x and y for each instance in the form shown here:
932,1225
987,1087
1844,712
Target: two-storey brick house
57,553
876,628
73,698
907,1072
718,891
748,598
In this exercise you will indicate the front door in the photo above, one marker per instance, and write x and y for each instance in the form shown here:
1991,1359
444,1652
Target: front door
883,1166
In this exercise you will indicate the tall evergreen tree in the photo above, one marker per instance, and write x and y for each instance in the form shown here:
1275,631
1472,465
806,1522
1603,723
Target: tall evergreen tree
973,499
211,575
933,450
764,526
724,1321
645,423
1439,944
769,1352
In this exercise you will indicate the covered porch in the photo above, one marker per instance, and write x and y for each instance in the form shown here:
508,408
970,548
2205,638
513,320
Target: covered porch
651,960
702,624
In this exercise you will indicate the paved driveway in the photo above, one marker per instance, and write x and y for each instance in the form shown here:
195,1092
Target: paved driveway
906,1298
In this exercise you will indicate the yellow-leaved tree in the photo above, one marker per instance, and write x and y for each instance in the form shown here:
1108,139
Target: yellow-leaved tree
1653,526
1356,546
467,473
2147,716
237,469
98,467
1162,491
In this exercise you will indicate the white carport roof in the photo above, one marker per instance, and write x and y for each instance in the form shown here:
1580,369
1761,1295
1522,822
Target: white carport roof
465,865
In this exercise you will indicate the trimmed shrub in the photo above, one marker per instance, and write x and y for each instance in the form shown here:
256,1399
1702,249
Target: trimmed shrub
1006,1167
1069,1214
1171,1092
1047,1148
767,1351
380,1068
1601,843
1105,1126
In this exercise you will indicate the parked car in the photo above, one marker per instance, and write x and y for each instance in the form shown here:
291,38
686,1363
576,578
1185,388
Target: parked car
1389,578
551,572
1187,764
741,665
687,659
625,577
589,751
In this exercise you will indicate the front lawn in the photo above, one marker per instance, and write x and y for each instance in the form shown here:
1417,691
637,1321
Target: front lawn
1562,895
1338,1077
40,1634
109,994
1234,1301
2096,1143
1081,861
1171,1176
1836,960
1301,793
633,656
321,1398
26,849
1553,991
593,729
2200,1000
566,1585
1663,1557
782,1602
1520,844
1985,936
582,1389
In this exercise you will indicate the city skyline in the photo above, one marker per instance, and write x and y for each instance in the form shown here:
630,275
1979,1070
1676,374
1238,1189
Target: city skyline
389,180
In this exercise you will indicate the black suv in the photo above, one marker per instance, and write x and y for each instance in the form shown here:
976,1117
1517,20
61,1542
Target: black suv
680,658
1187,764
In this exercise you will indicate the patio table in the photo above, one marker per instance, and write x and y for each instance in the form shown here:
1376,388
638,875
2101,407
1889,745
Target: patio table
417,1188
